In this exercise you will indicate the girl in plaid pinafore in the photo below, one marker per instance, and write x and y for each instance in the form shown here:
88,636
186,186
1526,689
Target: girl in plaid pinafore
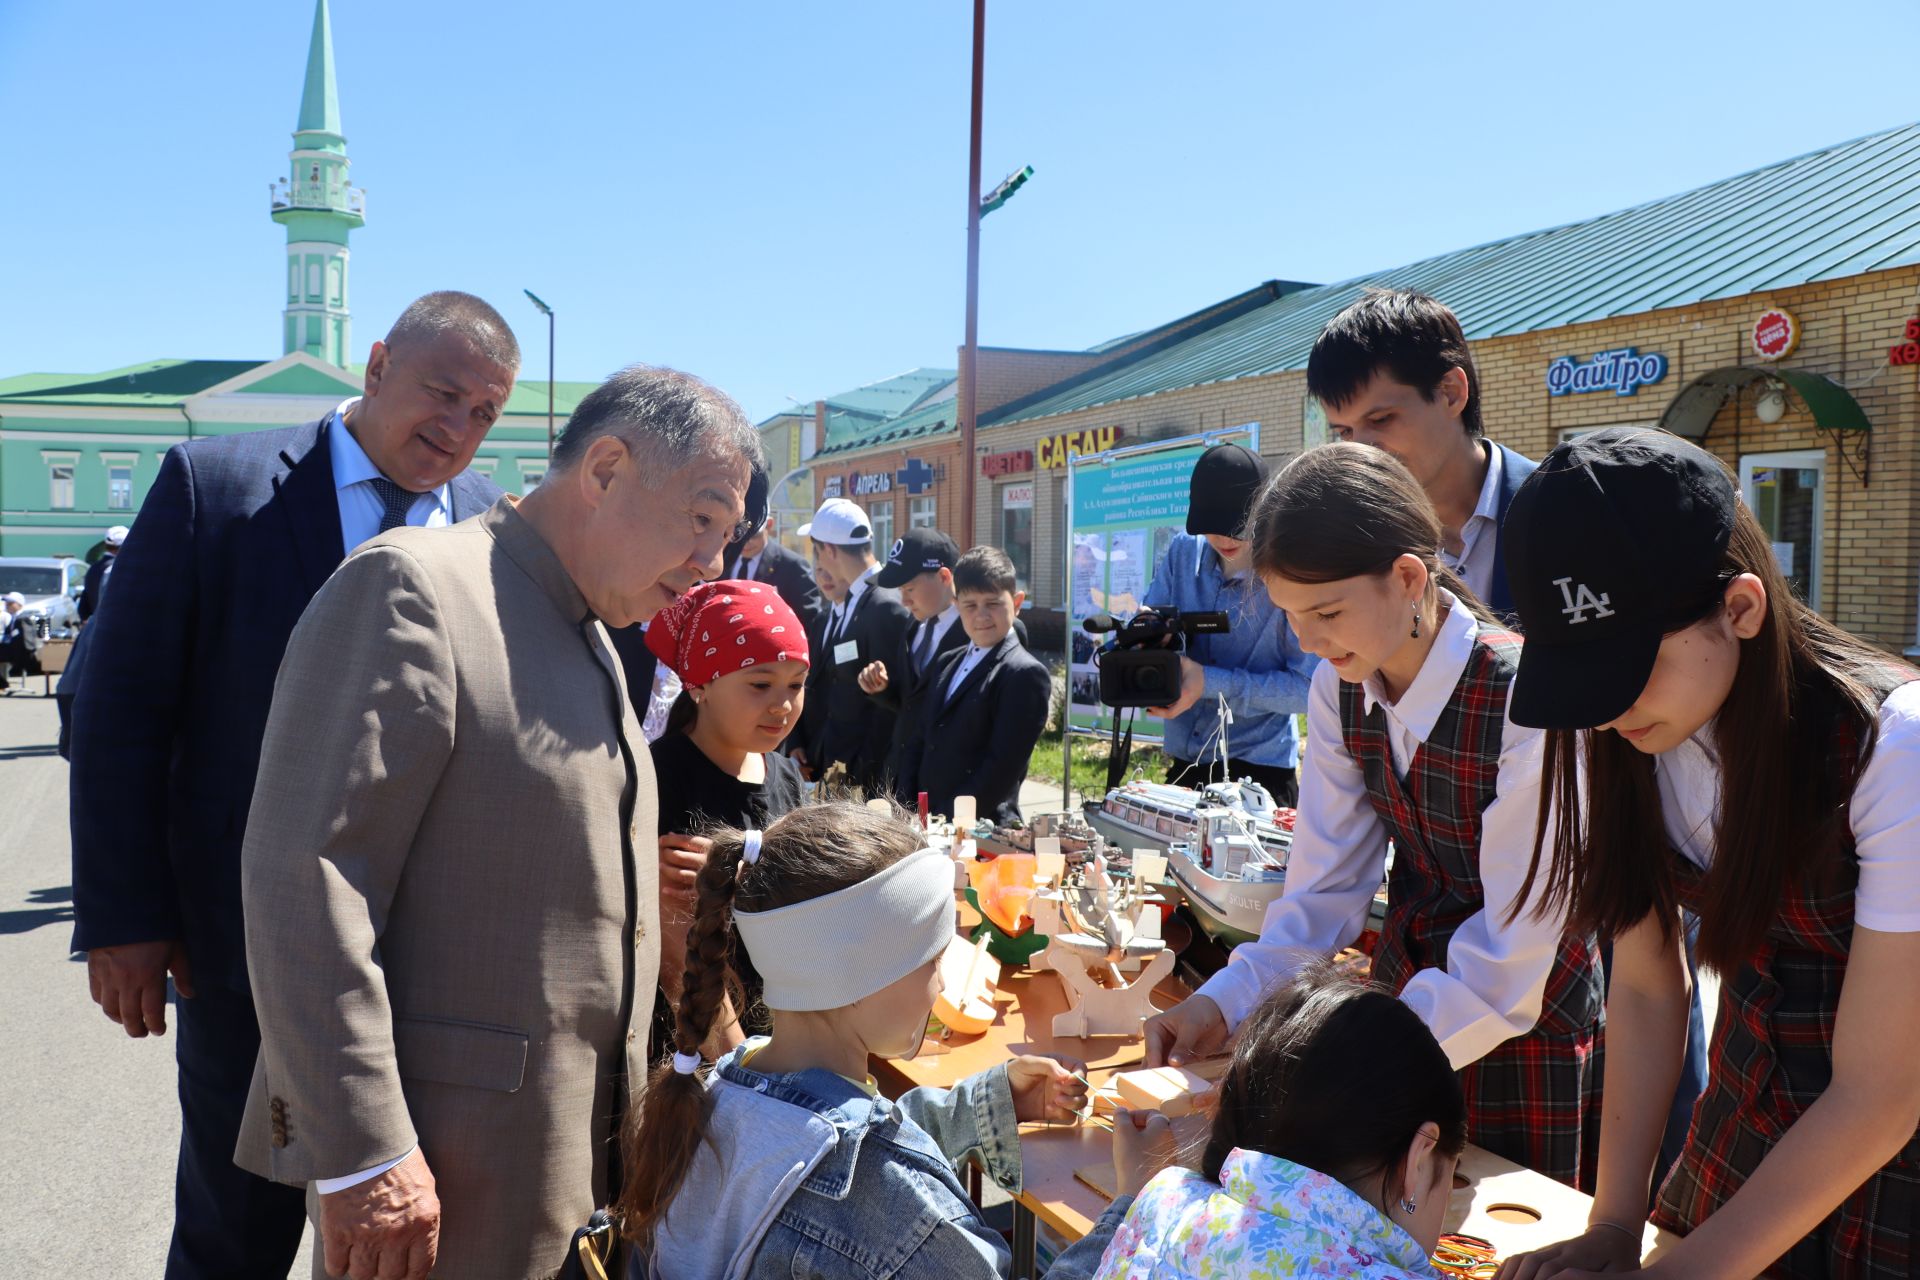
1409,742
1745,759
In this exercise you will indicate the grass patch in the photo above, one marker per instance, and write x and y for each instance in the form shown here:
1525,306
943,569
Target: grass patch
1089,753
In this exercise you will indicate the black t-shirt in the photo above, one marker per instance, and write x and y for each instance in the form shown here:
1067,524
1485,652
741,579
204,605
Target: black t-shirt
695,792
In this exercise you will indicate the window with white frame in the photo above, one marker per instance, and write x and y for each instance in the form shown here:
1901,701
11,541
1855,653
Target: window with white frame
532,472
922,513
1787,494
119,481
880,513
60,469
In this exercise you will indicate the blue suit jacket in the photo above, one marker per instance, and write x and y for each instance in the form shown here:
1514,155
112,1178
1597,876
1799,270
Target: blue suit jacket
235,537
1514,472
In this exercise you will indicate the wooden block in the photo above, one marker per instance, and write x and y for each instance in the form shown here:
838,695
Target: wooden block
964,810
1149,868
1172,1091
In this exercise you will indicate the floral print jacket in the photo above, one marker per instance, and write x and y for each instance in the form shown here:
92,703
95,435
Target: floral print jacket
1268,1219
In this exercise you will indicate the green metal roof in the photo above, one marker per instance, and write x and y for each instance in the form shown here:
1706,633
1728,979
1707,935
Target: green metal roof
1841,211
150,384
319,98
940,413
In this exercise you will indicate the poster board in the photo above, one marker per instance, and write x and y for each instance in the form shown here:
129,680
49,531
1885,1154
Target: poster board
1124,508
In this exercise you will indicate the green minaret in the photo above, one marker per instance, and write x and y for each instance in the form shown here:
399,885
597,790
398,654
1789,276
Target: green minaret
318,209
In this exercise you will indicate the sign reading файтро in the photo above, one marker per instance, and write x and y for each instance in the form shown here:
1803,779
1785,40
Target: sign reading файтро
1623,372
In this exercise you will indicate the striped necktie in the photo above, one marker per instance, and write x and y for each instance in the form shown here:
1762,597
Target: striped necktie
395,502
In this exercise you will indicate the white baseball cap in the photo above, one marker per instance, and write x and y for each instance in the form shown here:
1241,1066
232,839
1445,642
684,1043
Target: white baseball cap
13,597
838,522
116,535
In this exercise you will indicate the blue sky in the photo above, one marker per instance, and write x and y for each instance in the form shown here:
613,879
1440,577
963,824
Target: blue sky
773,195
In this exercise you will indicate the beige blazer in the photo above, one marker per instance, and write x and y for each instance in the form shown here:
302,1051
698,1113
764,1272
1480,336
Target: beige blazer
450,887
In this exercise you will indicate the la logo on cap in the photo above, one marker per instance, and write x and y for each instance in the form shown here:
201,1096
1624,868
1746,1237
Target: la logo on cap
1580,599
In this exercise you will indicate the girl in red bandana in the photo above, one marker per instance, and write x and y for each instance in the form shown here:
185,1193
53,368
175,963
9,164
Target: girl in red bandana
741,655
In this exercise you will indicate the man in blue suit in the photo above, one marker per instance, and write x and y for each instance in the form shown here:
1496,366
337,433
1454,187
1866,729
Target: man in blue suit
233,540
1394,370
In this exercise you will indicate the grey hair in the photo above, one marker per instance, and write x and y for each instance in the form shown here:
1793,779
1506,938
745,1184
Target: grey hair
669,417
450,311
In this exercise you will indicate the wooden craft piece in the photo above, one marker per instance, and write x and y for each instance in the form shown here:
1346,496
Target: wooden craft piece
880,804
1172,1091
1149,868
967,979
1105,1011
1005,889
965,813
1100,1177
1049,868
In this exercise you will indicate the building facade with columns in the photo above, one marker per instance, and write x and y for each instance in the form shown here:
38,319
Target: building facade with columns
79,450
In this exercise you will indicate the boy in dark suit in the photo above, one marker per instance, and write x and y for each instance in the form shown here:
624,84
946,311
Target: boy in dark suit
842,725
920,567
986,704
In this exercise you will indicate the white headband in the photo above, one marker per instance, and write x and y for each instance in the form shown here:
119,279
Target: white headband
830,951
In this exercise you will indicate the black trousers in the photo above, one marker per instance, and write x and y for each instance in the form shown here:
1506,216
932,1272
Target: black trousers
1281,783
226,1222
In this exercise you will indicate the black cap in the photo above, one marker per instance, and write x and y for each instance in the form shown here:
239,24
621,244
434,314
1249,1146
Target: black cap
1615,542
1226,479
920,551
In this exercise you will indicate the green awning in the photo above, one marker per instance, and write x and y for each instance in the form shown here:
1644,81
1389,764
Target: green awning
1692,411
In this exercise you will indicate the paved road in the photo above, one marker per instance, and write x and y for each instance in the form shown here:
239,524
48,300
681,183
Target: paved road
89,1124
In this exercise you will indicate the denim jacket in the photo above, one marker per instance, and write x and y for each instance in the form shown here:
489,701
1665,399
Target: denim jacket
1257,664
806,1175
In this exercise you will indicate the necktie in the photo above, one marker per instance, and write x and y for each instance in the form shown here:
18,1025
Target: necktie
923,650
746,570
395,502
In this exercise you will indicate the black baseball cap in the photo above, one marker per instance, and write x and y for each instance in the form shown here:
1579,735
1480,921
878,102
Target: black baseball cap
1614,543
1226,479
920,551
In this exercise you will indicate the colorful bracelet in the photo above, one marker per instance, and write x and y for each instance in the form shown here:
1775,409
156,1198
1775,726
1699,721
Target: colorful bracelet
1466,1257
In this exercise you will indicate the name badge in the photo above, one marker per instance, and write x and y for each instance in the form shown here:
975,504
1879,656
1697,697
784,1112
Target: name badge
846,651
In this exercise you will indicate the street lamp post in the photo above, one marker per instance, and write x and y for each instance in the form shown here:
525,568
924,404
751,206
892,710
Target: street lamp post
547,311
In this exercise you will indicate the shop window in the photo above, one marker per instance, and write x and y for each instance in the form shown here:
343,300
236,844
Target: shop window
922,513
880,514
1787,493
1016,530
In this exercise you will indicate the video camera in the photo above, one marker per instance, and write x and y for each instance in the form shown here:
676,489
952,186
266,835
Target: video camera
1142,668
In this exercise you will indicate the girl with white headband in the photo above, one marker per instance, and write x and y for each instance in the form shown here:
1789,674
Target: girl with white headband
786,1161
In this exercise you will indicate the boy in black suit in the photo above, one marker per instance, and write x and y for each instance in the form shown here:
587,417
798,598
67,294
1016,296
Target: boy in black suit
920,567
986,704
843,725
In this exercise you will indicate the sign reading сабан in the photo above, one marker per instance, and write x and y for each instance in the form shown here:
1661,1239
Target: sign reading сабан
1622,372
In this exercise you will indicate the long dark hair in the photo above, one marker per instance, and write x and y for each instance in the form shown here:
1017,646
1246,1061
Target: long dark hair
1348,510
1783,807
808,853
1337,1074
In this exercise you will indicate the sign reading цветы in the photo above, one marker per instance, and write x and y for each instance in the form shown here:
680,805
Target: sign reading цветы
1622,372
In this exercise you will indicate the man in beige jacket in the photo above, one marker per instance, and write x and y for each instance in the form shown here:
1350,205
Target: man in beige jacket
450,869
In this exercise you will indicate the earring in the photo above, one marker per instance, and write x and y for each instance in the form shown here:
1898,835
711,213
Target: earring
1408,1206
1416,619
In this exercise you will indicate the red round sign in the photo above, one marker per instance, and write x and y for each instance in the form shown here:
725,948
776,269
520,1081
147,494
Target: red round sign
1775,334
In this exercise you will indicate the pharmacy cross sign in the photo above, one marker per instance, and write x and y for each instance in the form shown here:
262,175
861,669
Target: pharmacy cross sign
915,477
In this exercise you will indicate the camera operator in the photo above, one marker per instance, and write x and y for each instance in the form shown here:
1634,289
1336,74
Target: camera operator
1257,664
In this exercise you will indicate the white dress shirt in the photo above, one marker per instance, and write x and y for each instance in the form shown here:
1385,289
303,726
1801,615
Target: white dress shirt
1884,814
1496,976
1480,535
974,655
353,476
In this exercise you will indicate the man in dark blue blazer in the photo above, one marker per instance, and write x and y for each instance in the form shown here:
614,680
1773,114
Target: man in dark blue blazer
761,559
233,540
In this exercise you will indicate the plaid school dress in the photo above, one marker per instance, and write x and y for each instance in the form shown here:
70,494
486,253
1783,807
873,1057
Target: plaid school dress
1772,1056
1536,1098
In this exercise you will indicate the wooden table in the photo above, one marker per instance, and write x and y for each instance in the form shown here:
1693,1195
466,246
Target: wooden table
1512,1207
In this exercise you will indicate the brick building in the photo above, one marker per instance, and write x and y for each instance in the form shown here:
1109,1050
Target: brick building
1645,316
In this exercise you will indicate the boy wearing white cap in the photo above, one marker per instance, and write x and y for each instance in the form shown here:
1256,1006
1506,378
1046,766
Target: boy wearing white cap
96,585
865,624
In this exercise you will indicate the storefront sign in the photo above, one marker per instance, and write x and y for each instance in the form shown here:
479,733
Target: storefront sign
1053,451
1015,496
1622,372
832,487
1775,334
864,484
916,476
1907,352
1010,463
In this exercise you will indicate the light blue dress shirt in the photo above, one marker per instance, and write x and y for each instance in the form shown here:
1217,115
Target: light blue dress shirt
360,506
1257,664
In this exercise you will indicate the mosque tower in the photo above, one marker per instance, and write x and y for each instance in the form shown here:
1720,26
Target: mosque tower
319,210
